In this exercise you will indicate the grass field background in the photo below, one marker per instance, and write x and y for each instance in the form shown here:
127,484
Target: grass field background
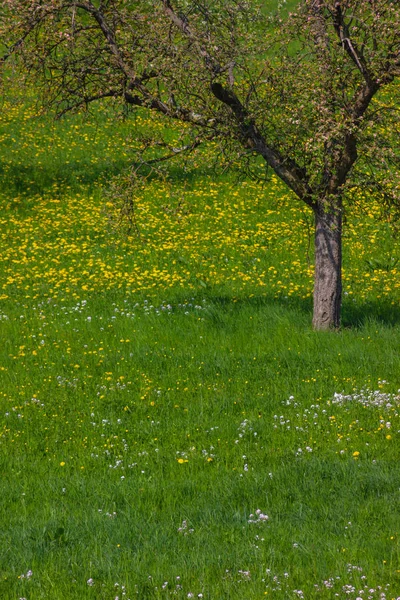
171,427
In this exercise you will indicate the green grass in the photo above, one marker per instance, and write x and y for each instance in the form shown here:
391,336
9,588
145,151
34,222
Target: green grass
157,391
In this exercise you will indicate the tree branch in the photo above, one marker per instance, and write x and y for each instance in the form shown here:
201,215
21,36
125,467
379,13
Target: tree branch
10,51
177,151
343,33
88,100
183,26
145,98
286,168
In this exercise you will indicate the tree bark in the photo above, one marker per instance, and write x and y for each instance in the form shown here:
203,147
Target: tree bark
328,264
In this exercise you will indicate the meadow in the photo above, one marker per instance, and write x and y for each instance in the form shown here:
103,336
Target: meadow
171,426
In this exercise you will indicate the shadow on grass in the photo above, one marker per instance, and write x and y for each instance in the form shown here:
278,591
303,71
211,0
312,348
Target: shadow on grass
28,181
357,314
22,183
354,314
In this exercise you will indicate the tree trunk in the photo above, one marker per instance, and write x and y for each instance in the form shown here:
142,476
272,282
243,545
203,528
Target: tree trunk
328,264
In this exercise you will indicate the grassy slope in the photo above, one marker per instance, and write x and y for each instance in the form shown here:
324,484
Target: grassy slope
148,381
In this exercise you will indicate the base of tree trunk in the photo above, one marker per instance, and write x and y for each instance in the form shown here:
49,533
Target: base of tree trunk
328,266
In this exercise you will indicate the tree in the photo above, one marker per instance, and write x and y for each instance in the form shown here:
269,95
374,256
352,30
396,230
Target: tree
308,91
13,33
